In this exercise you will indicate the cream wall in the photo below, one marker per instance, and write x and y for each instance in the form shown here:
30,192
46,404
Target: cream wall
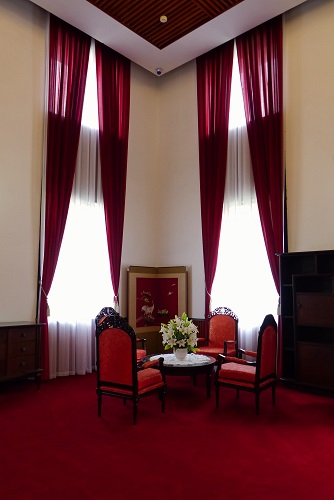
162,216
141,222
180,241
22,73
309,91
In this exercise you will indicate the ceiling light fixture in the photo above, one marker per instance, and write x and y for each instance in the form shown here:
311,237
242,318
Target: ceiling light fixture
163,19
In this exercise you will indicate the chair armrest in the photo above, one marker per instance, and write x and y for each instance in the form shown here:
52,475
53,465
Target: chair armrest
228,342
232,359
150,364
222,358
243,352
201,340
158,364
142,342
154,363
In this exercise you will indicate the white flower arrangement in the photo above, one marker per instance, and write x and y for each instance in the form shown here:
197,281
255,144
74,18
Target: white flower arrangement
179,333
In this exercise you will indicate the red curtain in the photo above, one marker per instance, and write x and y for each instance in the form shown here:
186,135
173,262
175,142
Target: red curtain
260,62
113,93
214,75
68,63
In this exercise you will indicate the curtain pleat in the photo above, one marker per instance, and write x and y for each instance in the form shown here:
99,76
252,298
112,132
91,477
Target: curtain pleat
243,280
261,67
214,74
68,62
260,54
113,93
72,348
82,283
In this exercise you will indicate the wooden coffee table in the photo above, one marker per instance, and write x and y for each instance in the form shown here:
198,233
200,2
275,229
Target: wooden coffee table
193,365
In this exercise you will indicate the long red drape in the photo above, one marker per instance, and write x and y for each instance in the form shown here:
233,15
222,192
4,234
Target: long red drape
214,75
68,63
261,68
113,92
260,57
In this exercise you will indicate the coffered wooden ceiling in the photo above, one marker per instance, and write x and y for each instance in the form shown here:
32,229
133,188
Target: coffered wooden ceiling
193,27
183,16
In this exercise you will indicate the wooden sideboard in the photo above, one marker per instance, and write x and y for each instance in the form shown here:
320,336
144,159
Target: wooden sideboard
20,351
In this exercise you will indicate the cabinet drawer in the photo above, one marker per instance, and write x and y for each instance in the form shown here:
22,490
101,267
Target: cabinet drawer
314,309
21,349
3,350
315,365
20,365
16,334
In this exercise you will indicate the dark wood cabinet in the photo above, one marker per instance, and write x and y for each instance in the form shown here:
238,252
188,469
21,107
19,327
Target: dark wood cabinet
307,318
20,351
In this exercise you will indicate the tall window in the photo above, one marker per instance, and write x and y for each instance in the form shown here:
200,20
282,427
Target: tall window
243,279
82,283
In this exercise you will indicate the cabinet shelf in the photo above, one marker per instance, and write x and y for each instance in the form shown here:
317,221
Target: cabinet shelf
307,317
314,283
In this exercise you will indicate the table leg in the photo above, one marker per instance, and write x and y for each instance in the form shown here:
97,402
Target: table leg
208,384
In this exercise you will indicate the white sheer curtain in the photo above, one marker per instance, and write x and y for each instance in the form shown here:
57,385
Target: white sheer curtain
82,283
243,280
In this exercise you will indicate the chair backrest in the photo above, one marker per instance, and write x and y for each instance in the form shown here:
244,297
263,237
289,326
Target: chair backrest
105,311
223,325
116,353
267,349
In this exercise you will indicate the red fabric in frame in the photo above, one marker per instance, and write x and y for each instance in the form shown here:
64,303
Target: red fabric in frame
261,72
68,63
113,94
214,75
157,300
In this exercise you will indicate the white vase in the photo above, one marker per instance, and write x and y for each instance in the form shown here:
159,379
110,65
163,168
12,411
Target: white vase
180,354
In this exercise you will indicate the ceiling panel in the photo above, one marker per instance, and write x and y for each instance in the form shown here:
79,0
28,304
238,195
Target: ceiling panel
183,16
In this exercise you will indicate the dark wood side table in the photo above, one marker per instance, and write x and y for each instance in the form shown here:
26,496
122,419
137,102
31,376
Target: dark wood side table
193,365
20,351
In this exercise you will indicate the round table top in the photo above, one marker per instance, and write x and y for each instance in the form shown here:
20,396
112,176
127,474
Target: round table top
191,360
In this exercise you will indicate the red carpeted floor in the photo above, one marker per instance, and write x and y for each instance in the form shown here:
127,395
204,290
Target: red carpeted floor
54,446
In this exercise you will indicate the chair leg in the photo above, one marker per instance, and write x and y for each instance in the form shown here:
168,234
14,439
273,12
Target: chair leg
273,394
257,402
135,405
217,395
162,399
99,405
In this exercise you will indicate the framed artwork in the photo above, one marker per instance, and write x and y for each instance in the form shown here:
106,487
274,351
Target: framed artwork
155,295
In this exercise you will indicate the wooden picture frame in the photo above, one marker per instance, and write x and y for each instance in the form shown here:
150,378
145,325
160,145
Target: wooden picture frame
155,295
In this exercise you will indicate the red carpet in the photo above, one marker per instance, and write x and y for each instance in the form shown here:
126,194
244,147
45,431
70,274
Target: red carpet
54,446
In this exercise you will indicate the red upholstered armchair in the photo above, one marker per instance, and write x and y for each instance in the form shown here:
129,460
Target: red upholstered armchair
102,320
118,373
223,334
254,376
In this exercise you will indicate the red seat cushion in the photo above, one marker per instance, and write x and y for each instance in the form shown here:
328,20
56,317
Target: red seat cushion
148,380
233,372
